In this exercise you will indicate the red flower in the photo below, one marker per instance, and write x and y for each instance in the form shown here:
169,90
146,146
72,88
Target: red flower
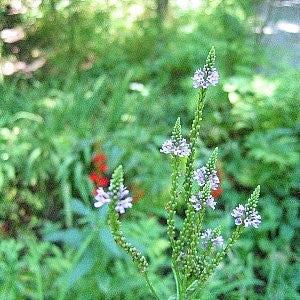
98,158
94,177
103,181
216,193
95,191
103,167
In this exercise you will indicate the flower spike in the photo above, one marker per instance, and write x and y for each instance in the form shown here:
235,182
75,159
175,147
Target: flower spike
208,75
177,145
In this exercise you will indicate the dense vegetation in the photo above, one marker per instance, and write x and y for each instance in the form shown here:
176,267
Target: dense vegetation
103,83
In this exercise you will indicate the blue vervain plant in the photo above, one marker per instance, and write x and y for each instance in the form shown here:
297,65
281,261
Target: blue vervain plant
192,262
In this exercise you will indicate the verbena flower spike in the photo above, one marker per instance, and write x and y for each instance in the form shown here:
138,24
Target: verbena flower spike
196,252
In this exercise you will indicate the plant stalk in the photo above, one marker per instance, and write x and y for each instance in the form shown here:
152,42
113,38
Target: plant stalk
150,286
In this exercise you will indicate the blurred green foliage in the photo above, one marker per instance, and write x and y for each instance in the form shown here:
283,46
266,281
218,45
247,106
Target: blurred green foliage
117,74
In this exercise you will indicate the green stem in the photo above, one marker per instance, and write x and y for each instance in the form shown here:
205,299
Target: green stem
188,224
183,289
170,221
172,208
199,222
150,286
194,134
177,280
194,239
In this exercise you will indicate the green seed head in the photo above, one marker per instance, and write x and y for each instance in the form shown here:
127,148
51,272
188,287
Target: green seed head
116,181
210,60
253,200
211,164
176,133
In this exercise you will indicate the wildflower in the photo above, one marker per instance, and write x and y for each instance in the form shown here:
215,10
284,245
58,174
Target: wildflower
238,214
245,216
101,198
103,167
123,203
210,236
207,234
208,75
253,219
177,145
167,147
239,211
123,192
103,181
99,158
179,148
199,200
204,78
197,203
238,221
199,175
211,202
218,241
202,175
93,177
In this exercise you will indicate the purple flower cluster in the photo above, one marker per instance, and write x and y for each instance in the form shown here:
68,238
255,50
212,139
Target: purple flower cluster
245,216
204,78
124,202
198,201
208,236
202,175
101,197
180,148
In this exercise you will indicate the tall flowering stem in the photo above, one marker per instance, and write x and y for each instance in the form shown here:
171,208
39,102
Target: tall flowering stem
173,203
115,225
196,253
176,136
177,147
170,220
195,130
194,134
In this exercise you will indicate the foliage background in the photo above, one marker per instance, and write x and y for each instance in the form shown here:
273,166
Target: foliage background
112,77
